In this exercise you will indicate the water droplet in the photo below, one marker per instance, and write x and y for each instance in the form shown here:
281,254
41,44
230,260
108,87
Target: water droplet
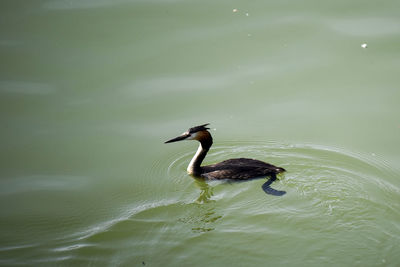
234,10
364,45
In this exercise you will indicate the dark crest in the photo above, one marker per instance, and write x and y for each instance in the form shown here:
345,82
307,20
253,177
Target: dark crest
199,128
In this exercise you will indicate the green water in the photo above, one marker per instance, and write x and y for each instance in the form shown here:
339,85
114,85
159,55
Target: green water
90,90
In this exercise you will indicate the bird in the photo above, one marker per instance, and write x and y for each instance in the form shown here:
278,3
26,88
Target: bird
237,169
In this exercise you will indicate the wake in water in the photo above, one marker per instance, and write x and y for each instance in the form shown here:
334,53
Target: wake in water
333,194
236,169
314,170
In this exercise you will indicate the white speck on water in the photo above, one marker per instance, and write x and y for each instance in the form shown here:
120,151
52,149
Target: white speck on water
247,14
234,10
373,154
364,45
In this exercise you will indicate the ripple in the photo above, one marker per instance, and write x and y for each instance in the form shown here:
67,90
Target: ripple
26,88
367,26
320,180
39,183
124,216
71,247
327,174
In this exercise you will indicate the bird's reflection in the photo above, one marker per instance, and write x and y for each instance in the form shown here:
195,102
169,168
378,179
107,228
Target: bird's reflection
269,190
206,192
202,217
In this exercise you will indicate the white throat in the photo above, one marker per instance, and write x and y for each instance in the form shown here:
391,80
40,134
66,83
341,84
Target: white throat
196,160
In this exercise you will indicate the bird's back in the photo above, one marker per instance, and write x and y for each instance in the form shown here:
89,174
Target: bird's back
239,169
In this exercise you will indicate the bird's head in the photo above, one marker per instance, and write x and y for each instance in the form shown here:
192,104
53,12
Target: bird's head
198,133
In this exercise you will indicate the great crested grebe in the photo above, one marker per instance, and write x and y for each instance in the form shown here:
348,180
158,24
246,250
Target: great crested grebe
232,169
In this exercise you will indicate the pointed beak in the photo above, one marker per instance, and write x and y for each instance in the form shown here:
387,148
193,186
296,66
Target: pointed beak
179,138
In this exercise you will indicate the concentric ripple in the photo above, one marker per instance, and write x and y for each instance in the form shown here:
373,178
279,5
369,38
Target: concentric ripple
330,191
327,174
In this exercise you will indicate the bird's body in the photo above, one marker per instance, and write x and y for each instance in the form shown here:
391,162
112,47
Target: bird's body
238,169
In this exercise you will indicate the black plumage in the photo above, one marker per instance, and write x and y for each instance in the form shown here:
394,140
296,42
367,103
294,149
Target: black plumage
239,169
232,169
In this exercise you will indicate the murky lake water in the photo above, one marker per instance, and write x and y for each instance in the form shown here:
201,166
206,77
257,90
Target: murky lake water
90,90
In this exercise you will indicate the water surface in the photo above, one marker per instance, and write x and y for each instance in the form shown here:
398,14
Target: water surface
90,90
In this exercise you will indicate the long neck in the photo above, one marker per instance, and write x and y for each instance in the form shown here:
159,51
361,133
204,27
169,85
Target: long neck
194,165
206,141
